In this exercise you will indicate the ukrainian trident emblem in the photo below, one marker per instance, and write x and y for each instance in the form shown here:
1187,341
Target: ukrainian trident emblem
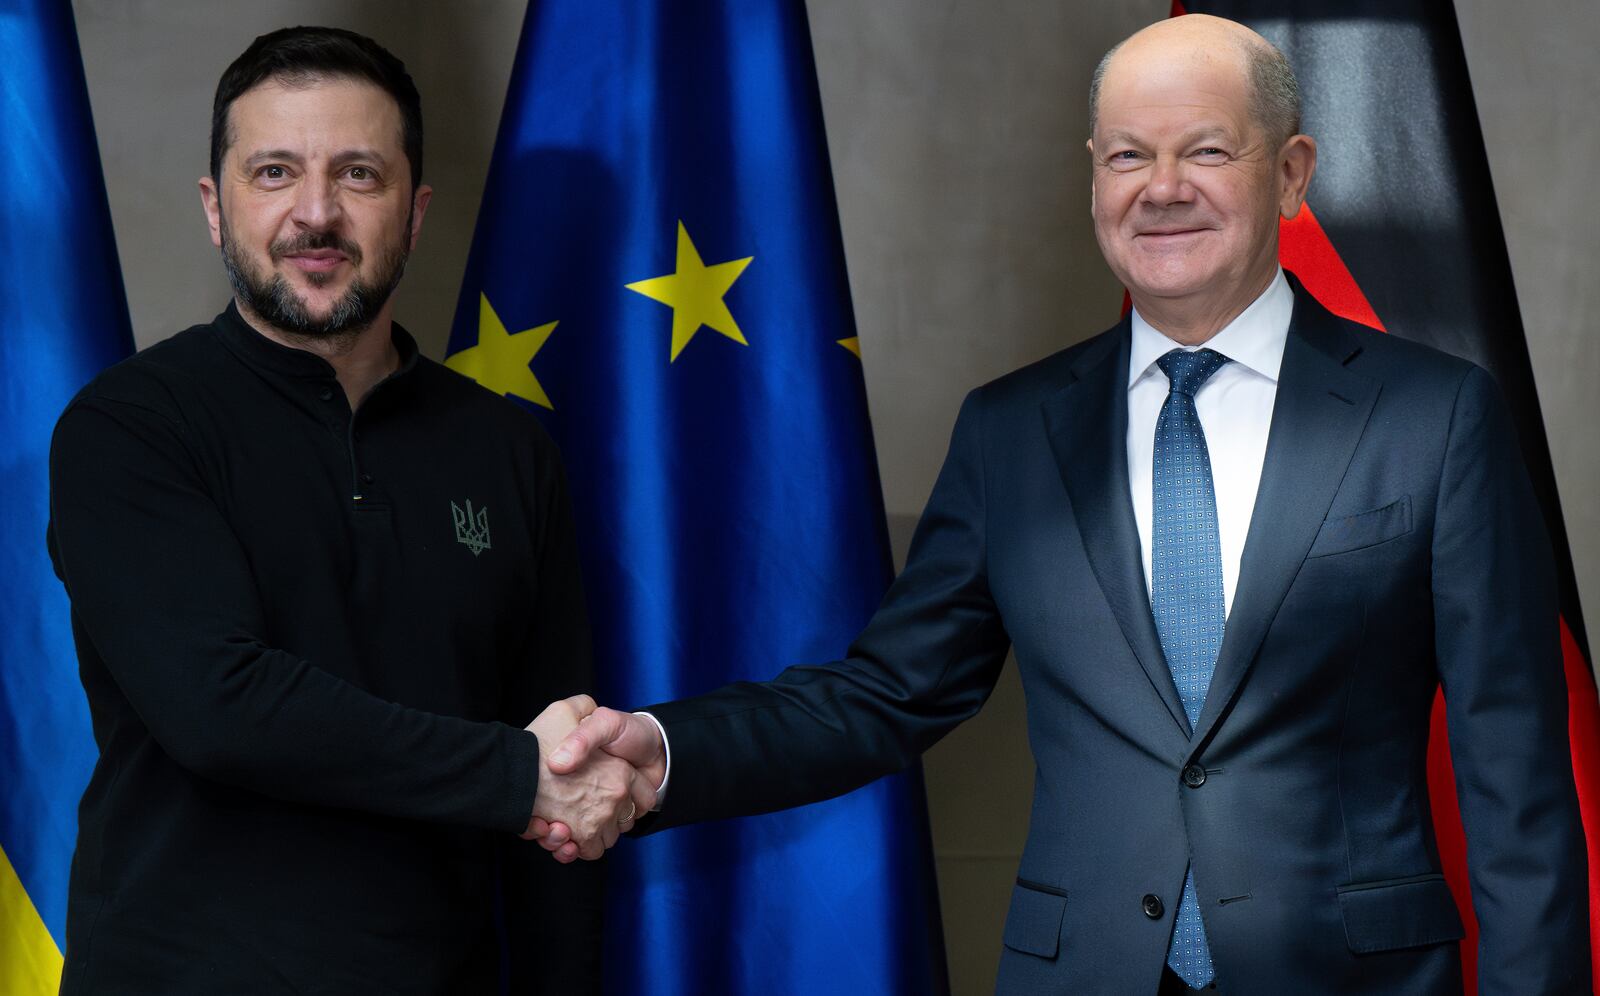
472,531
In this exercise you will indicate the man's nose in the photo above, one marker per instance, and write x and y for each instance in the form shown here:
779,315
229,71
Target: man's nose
1168,183
316,204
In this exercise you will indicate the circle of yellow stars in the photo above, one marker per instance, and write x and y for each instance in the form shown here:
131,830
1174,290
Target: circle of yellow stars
502,361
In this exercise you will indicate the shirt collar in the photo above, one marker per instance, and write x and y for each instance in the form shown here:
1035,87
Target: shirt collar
1255,339
259,351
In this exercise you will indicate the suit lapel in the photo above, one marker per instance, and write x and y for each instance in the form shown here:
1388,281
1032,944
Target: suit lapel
1318,417
1087,423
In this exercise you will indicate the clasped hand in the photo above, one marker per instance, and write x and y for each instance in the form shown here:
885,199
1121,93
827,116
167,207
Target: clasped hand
599,770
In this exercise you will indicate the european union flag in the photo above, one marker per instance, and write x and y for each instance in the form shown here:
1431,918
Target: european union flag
62,318
658,271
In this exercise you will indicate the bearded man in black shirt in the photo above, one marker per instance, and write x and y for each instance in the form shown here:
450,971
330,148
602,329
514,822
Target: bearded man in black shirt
320,585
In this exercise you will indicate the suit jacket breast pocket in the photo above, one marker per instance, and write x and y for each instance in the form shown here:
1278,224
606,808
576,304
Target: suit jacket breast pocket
1364,529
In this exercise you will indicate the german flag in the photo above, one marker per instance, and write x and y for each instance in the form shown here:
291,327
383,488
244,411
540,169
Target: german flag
1401,232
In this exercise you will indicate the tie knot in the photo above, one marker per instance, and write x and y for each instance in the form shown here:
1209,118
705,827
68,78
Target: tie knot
1187,371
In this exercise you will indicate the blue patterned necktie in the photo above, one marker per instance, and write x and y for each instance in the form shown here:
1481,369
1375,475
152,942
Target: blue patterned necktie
1186,590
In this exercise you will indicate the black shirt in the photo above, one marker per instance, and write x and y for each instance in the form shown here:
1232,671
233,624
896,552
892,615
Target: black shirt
310,639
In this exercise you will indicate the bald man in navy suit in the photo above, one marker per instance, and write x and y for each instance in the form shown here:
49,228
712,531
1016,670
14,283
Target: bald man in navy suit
1236,543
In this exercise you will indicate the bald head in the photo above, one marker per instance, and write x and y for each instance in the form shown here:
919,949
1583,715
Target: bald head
1193,166
1274,91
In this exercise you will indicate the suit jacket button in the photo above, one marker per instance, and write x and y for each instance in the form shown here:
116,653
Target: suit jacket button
1194,776
1152,906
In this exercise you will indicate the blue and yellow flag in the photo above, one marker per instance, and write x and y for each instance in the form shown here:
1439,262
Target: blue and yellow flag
62,318
658,272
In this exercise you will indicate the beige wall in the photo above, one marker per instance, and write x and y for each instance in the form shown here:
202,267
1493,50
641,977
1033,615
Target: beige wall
956,132
1537,85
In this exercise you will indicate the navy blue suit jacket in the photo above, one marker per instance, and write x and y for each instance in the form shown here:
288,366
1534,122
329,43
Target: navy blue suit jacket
1395,546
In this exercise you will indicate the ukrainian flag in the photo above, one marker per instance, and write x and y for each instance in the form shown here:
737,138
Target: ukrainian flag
658,272
62,318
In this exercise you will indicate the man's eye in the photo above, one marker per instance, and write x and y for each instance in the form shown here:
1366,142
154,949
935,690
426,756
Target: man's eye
361,174
1126,159
274,172
1210,152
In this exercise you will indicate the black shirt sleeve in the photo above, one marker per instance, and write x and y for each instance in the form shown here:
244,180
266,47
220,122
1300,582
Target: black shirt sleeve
163,592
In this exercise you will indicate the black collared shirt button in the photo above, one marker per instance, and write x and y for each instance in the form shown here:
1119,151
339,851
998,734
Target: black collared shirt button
1152,906
1194,776
366,478
327,394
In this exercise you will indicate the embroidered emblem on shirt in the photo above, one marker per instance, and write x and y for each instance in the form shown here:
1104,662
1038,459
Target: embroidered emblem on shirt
472,531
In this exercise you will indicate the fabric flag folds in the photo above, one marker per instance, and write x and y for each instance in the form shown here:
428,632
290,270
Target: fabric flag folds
1403,234
62,318
658,272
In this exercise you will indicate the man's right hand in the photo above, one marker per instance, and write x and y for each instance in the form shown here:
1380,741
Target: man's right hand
589,799
600,736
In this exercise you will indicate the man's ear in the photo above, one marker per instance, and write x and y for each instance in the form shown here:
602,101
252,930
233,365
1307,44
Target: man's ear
1090,146
211,203
419,207
1297,160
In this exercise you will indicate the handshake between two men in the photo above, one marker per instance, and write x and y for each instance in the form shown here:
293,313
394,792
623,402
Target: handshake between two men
599,770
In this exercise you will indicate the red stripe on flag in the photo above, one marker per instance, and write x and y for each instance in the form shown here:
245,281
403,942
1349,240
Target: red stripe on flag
1304,248
1451,837
1583,731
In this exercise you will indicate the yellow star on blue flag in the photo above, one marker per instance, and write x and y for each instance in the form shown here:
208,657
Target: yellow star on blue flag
500,360
695,294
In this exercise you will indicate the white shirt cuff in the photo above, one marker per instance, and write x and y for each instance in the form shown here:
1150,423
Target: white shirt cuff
666,747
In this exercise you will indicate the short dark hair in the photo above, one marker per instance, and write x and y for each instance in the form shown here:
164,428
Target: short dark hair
303,56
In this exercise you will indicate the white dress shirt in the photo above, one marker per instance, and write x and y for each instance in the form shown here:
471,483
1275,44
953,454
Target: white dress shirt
666,749
1235,409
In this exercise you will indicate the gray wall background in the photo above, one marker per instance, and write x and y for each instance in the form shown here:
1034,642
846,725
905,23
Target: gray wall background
956,130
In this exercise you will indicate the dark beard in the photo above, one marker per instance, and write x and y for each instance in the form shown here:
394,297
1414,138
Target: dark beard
271,299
